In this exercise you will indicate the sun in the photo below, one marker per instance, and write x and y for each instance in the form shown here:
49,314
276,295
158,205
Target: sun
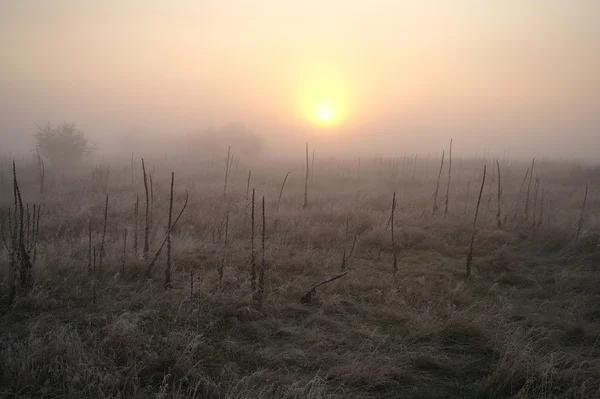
325,112
323,99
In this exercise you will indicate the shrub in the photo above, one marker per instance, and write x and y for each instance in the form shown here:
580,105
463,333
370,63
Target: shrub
63,144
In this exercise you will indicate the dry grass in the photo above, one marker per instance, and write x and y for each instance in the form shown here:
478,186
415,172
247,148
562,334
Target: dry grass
525,325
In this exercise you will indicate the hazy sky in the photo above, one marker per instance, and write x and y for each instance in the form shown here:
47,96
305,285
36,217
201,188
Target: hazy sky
391,73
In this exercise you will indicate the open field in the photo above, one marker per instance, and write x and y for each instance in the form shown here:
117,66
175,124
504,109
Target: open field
525,324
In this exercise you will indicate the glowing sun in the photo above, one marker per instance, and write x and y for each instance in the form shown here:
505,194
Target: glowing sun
325,112
323,99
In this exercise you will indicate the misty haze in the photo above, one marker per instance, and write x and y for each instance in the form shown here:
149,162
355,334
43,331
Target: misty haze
271,199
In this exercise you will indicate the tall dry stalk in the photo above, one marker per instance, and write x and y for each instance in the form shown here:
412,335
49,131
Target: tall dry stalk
103,239
306,179
260,292
252,253
580,226
224,254
248,186
35,230
27,226
153,262
136,212
541,220
41,172
395,264
312,165
472,241
167,284
132,170
227,167
89,265
518,200
437,186
529,190
345,255
499,212
536,189
449,177
279,199
151,201
147,226
94,277
21,257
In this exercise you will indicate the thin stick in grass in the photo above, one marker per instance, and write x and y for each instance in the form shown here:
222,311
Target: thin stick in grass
30,240
227,166
94,299
89,266
167,284
153,262
306,179
499,211
279,199
536,189
449,177
151,201
260,293
42,173
147,226
395,264
136,212
312,165
541,220
346,256
4,240
437,186
224,254
472,242
103,239
307,298
261,278
27,226
580,226
132,170
25,265
37,234
252,254
518,201
529,190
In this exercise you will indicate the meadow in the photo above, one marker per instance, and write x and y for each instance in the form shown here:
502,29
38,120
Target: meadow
227,313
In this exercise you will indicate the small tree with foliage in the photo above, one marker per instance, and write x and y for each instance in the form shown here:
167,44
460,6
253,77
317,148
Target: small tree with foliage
63,144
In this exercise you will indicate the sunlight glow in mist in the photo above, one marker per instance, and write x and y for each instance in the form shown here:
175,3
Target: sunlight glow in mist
400,72
325,112
324,100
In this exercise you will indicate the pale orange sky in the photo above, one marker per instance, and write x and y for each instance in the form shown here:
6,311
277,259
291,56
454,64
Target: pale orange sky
489,73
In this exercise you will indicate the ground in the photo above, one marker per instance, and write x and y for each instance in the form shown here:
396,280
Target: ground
524,324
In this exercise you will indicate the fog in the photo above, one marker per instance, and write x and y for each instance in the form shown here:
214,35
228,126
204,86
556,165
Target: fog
399,76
